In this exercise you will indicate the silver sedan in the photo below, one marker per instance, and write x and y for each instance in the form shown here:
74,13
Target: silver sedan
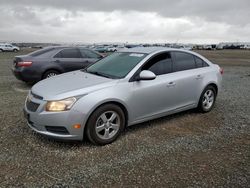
123,89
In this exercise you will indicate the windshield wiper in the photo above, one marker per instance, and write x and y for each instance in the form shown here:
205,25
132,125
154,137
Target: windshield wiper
100,74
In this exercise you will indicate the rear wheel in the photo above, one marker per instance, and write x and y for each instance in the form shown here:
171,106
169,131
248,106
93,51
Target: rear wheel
50,73
207,99
105,124
1,50
15,50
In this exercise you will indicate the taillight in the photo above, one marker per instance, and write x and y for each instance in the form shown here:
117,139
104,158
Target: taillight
24,64
221,71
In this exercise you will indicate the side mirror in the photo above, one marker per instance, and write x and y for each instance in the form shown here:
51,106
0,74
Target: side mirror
146,75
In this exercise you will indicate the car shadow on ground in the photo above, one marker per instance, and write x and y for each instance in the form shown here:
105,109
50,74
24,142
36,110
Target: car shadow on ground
22,87
157,121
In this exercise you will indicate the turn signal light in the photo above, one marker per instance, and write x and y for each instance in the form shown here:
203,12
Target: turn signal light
77,126
221,71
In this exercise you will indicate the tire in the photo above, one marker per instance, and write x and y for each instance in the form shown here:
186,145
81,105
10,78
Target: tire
105,124
207,99
1,50
50,73
15,50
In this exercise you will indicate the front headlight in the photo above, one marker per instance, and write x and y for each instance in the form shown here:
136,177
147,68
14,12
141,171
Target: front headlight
62,105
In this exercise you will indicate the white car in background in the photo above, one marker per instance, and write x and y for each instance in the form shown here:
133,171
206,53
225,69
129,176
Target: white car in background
116,48
8,48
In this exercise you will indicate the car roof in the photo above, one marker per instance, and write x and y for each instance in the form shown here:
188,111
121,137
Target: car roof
152,50
61,47
146,50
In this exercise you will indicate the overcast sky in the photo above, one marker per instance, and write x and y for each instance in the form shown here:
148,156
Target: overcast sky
133,21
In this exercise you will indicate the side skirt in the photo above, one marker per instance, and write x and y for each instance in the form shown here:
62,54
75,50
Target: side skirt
184,108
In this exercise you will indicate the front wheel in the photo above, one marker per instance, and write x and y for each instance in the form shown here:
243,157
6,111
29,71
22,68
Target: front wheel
207,99
105,124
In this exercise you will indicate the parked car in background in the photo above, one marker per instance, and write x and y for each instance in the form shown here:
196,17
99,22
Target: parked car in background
101,49
122,89
116,48
111,49
4,47
51,61
245,46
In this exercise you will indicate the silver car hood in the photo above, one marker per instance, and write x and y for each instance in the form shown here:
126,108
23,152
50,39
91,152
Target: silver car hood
71,84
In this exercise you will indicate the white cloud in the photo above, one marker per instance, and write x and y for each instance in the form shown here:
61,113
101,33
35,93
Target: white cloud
49,24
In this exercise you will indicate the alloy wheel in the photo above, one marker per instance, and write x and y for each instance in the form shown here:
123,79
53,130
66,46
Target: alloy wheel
208,99
107,125
51,74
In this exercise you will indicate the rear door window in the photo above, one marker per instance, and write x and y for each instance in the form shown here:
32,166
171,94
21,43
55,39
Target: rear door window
183,61
69,53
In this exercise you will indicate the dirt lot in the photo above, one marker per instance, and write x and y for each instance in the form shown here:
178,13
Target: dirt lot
187,149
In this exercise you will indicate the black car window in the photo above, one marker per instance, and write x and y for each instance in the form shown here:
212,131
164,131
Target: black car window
69,53
183,61
200,62
160,64
89,54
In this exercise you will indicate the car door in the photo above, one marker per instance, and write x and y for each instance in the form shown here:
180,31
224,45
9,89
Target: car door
8,48
70,59
188,79
152,97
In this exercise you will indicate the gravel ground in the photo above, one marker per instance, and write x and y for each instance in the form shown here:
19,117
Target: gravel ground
186,149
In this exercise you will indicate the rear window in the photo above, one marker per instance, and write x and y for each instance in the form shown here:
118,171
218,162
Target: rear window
89,54
40,52
200,62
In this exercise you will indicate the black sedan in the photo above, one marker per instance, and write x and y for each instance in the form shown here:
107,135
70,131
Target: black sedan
51,61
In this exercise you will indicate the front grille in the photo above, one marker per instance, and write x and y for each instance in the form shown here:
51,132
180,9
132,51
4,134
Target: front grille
31,106
36,96
57,130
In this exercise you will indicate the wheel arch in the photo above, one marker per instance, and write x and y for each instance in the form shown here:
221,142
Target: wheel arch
50,69
115,102
213,85
209,84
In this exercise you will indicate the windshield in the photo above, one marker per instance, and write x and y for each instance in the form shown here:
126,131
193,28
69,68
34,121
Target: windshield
116,65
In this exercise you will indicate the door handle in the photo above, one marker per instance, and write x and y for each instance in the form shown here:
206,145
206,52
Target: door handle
56,61
171,84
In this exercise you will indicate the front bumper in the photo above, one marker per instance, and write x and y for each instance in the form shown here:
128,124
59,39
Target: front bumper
42,121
